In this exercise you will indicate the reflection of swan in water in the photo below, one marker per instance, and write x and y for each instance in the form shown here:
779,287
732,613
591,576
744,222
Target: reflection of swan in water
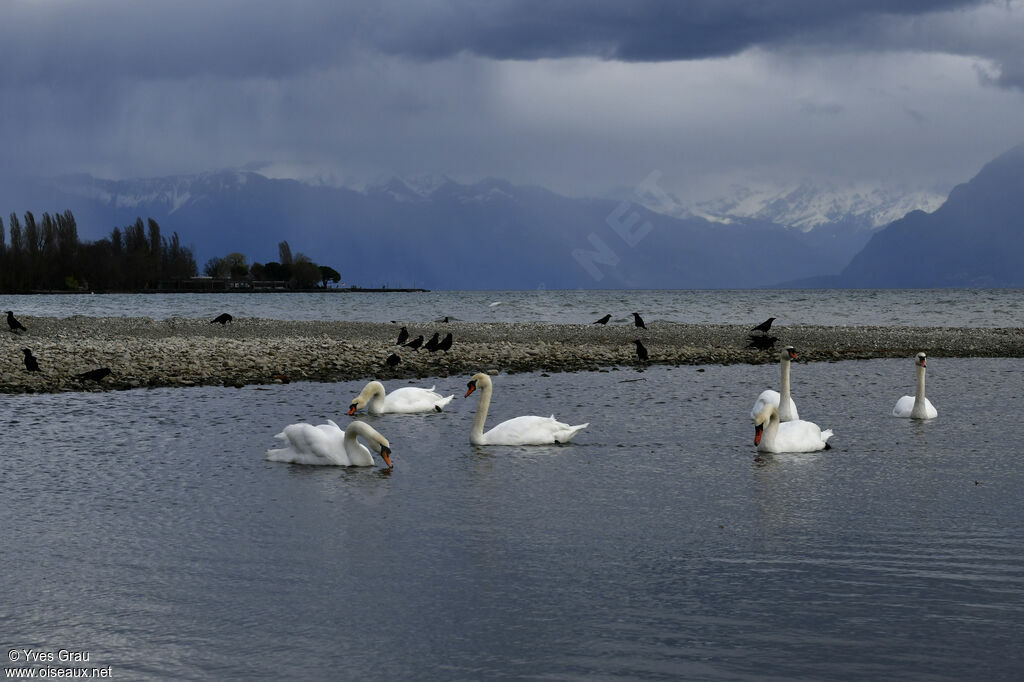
916,406
792,436
783,401
518,431
327,445
406,400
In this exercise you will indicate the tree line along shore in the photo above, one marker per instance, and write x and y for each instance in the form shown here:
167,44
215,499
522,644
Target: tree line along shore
141,352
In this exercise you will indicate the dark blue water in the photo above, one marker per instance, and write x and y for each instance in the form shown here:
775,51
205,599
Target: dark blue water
146,528
885,307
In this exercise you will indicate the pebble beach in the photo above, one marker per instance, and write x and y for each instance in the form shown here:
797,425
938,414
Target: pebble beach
142,352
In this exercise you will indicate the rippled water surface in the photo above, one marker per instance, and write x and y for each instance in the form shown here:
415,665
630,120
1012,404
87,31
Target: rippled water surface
914,307
146,528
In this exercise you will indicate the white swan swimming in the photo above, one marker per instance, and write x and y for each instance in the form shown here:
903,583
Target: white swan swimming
327,445
787,408
407,400
792,436
916,406
517,431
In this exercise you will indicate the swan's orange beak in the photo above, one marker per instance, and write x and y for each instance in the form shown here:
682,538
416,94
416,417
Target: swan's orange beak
792,355
385,454
472,387
351,409
757,434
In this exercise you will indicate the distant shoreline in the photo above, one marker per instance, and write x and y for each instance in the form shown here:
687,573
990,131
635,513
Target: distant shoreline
142,352
319,290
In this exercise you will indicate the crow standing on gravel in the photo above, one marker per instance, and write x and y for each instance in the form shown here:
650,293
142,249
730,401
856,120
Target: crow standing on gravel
603,320
14,324
223,318
30,361
764,326
403,336
639,321
431,345
94,374
393,360
446,343
415,343
641,350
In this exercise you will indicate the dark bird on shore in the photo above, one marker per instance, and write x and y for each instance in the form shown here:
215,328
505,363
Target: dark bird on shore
94,374
762,342
431,345
223,318
393,360
603,320
764,326
641,351
14,324
30,361
639,321
446,343
415,343
403,336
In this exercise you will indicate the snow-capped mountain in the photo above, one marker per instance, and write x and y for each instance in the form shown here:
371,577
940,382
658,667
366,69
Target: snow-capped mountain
805,205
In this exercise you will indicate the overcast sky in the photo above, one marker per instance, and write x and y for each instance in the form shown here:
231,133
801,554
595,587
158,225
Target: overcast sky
577,95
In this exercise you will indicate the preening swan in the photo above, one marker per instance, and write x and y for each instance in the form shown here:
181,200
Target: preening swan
793,436
787,408
916,406
327,445
518,431
408,400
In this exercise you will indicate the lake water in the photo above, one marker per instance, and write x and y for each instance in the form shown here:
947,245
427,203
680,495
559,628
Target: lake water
914,307
146,528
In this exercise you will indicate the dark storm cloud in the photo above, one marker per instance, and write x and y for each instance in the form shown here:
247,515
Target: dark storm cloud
69,41
645,30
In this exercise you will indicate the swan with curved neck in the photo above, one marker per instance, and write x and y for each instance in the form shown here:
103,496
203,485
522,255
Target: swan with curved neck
406,400
327,445
916,406
784,401
527,430
793,436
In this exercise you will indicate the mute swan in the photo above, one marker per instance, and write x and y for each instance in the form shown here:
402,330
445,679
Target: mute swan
327,445
916,406
787,408
407,400
517,431
793,436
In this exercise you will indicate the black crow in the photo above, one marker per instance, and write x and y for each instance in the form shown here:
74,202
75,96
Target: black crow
30,361
14,324
415,343
641,351
393,360
764,326
762,342
446,343
431,345
94,374
603,320
639,321
223,318
403,336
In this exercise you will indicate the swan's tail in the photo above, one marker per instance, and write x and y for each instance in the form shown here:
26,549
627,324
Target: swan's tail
825,435
442,402
567,434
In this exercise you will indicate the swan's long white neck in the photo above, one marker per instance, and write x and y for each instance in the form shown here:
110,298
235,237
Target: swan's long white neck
375,401
476,434
784,395
771,430
919,391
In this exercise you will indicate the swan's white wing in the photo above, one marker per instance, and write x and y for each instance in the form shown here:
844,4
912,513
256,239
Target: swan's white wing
532,431
411,399
903,406
308,444
799,436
